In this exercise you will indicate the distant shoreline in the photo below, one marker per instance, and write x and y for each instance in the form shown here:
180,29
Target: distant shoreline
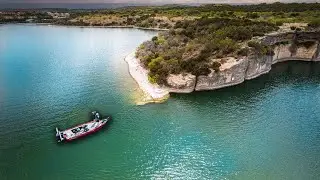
125,27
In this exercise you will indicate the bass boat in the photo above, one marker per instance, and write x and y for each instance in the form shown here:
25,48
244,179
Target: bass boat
83,129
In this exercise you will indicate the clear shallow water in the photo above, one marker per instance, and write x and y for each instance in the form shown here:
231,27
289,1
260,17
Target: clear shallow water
267,128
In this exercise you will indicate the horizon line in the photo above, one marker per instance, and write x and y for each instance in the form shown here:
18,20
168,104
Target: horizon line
153,3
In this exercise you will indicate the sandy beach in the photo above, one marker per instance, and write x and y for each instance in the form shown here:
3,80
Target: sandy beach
154,93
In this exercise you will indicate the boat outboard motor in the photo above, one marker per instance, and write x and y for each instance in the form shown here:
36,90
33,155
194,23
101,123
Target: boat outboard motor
97,116
93,114
59,136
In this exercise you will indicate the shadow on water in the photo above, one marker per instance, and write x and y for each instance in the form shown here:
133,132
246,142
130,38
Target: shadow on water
286,74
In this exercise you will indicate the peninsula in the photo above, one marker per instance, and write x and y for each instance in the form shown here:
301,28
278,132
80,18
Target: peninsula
209,53
203,47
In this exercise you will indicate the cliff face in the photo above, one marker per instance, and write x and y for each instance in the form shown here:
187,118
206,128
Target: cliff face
282,52
316,56
290,46
287,46
258,66
231,73
182,83
261,65
305,53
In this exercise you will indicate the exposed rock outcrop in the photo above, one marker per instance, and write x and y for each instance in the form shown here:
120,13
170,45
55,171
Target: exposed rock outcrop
282,52
274,38
287,46
316,56
305,53
231,73
181,83
258,66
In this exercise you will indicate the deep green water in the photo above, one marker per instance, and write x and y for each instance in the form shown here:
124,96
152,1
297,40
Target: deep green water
267,128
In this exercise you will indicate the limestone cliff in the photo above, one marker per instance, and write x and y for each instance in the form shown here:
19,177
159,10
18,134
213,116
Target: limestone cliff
305,53
292,49
316,56
181,83
231,73
258,66
303,46
286,46
282,52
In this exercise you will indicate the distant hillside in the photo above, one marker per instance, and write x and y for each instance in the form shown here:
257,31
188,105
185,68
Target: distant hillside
64,5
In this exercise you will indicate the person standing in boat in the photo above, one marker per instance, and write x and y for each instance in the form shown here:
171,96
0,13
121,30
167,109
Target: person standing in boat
97,116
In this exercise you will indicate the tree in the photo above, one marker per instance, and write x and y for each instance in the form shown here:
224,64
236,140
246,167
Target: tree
155,38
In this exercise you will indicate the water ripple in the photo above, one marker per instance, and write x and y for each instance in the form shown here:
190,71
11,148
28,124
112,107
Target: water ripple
266,128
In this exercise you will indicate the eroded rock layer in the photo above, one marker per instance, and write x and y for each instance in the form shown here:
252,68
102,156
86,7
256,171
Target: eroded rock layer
287,46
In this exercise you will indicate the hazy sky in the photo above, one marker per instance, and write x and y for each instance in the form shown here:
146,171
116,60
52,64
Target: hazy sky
152,1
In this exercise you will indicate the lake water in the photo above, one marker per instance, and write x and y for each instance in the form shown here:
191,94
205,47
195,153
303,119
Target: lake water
266,128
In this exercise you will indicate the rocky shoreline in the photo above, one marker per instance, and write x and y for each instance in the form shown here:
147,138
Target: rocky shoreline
235,70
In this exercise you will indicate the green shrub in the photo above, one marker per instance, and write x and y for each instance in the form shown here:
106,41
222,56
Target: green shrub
227,46
147,59
173,66
243,52
201,69
160,40
153,78
258,48
314,23
252,15
294,14
279,23
238,33
155,64
216,66
253,44
155,38
142,46
190,44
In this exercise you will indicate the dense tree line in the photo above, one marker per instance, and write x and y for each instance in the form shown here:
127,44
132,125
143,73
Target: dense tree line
144,16
23,16
192,46
274,7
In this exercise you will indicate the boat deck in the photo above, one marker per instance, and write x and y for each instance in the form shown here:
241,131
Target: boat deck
82,129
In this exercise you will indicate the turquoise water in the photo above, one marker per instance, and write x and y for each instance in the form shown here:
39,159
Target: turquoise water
267,128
